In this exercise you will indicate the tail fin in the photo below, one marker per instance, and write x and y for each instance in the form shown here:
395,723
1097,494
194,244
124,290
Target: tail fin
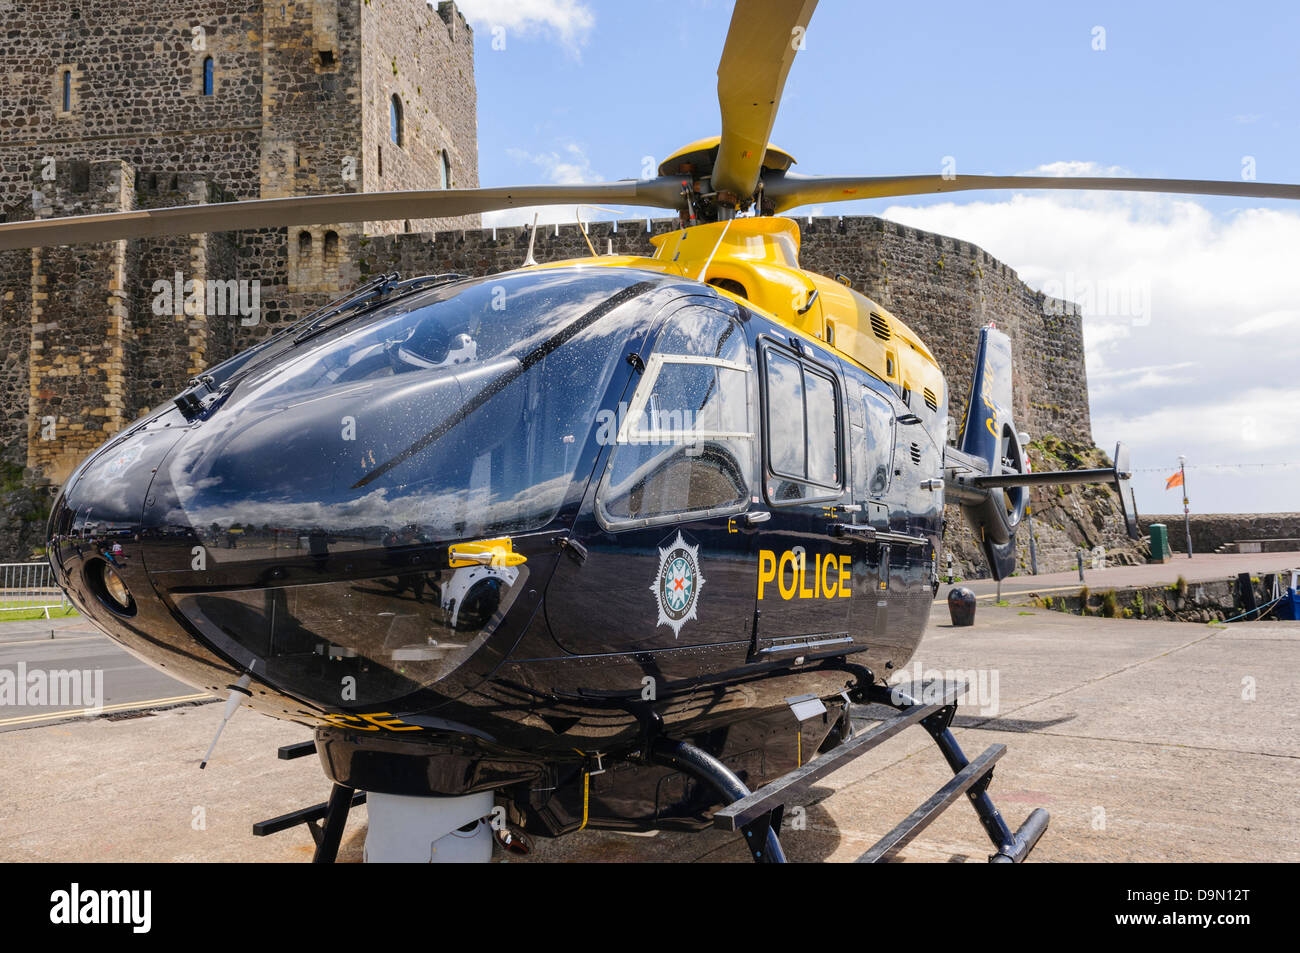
989,434
988,471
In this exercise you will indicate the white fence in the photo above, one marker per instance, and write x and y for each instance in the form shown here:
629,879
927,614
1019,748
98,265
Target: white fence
28,586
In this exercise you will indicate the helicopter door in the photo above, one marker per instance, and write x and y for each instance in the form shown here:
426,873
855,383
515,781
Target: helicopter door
665,564
872,439
805,570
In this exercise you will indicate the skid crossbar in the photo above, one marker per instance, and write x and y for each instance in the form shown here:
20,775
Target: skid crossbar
325,821
789,786
920,819
766,806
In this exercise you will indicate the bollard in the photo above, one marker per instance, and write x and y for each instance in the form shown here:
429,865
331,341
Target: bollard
961,606
1079,554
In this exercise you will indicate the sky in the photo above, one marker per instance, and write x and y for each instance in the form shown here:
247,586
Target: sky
1191,306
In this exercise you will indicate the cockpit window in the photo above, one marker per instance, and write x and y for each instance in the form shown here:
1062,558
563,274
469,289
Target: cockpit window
459,326
464,413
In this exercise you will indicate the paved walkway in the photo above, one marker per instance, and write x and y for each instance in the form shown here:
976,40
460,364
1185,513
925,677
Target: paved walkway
1147,741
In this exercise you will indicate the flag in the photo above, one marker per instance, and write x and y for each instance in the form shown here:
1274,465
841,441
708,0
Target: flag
1175,480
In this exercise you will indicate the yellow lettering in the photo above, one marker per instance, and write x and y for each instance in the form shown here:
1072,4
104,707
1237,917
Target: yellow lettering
988,422
846,576
347,721
804,591
383,719
766,568
827,582
794,575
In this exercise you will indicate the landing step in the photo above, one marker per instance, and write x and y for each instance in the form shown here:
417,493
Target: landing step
788,787
940,801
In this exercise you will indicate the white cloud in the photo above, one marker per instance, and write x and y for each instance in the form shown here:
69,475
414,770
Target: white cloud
1077,169
568,21
1272,321
568,166
1190,320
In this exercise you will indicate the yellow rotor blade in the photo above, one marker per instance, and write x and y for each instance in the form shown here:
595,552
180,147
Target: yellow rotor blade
328,209
790,191
761,45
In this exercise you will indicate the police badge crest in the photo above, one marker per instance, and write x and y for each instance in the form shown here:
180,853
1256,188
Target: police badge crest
678,584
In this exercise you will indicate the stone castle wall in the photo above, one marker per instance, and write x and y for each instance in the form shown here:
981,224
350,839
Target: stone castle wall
136,90
1212,530
286,116
299,102
433,80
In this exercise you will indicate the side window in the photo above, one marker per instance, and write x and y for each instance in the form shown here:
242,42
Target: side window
823,430
878,445
786,431
684,444
803,430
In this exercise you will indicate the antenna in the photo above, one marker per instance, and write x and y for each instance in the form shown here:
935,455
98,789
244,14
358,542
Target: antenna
582,227
532,239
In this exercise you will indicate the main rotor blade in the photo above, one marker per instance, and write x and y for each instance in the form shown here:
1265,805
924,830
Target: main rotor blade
762,42
329,209
790,191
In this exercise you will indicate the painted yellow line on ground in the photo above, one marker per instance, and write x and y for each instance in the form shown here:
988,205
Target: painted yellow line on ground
1030,592
106,710
1020,592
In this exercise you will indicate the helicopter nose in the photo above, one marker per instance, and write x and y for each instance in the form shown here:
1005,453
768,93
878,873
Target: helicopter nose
96,524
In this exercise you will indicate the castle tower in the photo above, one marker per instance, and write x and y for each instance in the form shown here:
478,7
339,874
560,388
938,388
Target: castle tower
158,102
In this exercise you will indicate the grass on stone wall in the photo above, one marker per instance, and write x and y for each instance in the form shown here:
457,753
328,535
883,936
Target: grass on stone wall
11,477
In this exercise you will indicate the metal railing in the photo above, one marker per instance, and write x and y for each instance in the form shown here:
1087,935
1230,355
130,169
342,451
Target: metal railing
30,586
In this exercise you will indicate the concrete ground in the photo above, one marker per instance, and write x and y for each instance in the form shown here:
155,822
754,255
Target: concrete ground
1147,741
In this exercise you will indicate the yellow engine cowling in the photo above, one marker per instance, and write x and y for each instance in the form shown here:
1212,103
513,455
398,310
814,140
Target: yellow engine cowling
757,260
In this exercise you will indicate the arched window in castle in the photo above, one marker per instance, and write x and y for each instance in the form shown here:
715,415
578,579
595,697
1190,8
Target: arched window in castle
331,257
209,74
395,131
446,170
304,247
66,91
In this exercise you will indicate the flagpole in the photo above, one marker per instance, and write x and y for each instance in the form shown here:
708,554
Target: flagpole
1187,514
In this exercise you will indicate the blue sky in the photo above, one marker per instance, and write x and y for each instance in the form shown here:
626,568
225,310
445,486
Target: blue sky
1192,306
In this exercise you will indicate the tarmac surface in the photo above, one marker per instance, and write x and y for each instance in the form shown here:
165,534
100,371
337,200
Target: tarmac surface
109,677
1147,741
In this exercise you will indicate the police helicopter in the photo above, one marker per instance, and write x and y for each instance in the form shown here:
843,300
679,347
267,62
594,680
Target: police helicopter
610,543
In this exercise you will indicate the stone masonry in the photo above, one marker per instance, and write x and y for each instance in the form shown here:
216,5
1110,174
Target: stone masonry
107,107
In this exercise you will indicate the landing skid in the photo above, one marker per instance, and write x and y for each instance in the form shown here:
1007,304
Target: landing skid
759,814
325,821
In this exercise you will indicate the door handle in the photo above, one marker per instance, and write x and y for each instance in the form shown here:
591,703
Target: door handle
862,531
755,517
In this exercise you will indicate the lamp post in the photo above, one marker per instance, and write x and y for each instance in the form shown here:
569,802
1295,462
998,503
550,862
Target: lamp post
1187,514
